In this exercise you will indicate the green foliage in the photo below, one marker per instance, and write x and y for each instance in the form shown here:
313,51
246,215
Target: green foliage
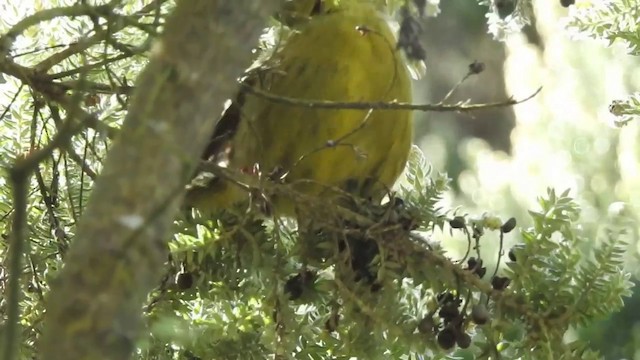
506,17
566,285
614,22
610,21
92,73
246,272
267,287
358,280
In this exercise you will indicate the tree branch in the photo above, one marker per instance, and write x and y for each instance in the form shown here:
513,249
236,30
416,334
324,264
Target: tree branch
56,92
440,107
19,183
94,307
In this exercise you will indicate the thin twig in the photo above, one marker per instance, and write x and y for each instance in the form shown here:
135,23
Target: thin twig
455,87
60,140
54,92
84,44
116,83
49,205
466,254
13,99
82,163
75,212
325,104
500,253
88,67
40,49
36,278
337,142
89,86
57,120
6,40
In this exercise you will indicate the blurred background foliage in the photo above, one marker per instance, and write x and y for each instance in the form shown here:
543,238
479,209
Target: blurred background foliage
499,160
566,137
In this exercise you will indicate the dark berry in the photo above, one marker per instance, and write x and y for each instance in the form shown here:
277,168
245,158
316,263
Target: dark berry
473,263
479,314
426,325
295,285
457,222
446,338
508,225
332,322
444,297
500,282
476,67
463,340
397,202
515,252
184,280
449,311
567,3
501,3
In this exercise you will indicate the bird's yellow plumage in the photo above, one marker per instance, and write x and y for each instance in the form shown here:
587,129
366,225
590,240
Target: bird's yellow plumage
342,52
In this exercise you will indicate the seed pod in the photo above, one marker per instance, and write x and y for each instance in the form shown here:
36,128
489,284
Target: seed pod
449,311
444,297
500,282
463,340
473,264
508,225
446,338
457,222
184,280
296,284
332,322
426,325
476,67
514,252
567,3
479,314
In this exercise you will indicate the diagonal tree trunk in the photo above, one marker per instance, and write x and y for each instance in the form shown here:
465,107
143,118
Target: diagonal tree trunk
93,311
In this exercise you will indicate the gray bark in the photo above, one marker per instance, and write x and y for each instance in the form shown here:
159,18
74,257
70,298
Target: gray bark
94,309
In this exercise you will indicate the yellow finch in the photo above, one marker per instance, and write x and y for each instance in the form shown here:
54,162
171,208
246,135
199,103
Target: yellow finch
341,51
